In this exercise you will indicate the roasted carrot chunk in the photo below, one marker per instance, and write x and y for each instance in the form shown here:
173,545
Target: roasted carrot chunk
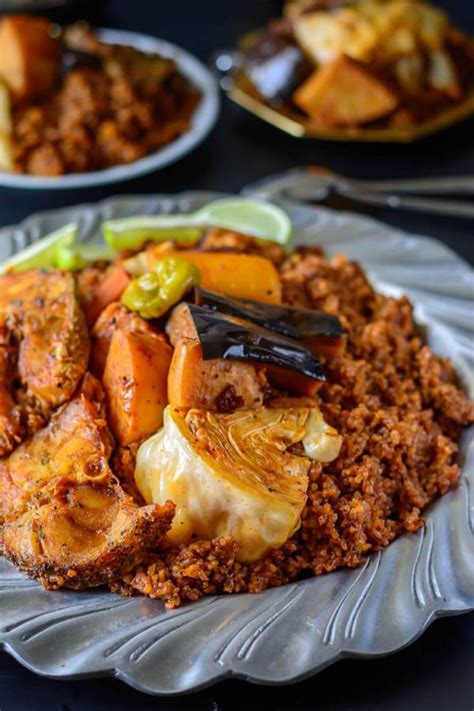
113,318
135,381
292,381
217,384
109,290
326,346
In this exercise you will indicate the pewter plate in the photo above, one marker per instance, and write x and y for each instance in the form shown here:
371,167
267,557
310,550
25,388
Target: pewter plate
287,633
202,121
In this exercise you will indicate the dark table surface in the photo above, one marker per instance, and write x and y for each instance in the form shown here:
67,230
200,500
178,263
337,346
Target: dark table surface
434,673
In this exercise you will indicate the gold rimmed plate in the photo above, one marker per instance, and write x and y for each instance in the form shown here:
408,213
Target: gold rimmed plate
299,127
241,91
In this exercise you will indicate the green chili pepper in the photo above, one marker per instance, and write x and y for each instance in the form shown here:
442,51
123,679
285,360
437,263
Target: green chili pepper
155,292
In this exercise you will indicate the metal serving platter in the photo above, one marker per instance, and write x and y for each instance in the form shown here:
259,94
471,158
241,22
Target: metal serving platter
291,632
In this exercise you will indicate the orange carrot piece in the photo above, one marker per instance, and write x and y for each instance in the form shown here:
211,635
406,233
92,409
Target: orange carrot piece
326,346
110,289
113,318
184,374
195,382
292,381
135,381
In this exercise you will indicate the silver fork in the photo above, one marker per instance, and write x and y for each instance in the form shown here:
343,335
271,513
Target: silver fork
313,184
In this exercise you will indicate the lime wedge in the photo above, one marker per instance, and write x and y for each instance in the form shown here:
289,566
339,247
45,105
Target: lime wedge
253,217
132,232
256,218
41,253
78,256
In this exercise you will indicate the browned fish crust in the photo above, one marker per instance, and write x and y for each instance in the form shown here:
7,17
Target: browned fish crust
67,520
44,349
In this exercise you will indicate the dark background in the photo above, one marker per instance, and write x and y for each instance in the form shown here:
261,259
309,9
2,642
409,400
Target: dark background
436,672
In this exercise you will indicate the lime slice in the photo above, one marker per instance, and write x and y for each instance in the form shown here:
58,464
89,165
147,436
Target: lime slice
41,253
253,217
78,256
132,232
256,218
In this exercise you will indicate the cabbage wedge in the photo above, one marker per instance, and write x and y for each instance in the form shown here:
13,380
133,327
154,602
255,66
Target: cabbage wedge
234,475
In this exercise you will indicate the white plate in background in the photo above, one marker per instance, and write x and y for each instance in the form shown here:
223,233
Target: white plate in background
202,121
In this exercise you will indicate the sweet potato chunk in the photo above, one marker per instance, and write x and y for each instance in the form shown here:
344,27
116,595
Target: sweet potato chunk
135,381
222,385
29,55
344,93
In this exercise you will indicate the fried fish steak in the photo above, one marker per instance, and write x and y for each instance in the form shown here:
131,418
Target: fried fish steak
66,519
44,348
10,418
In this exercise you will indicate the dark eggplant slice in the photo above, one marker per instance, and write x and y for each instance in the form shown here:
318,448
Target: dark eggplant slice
291,322
275,65
223,336
277,78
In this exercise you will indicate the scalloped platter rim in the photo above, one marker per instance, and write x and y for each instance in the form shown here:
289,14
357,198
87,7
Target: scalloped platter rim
284,634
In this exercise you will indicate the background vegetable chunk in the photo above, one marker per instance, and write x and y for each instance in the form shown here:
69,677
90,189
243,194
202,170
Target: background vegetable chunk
135,381
6,129
344,93
29,57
